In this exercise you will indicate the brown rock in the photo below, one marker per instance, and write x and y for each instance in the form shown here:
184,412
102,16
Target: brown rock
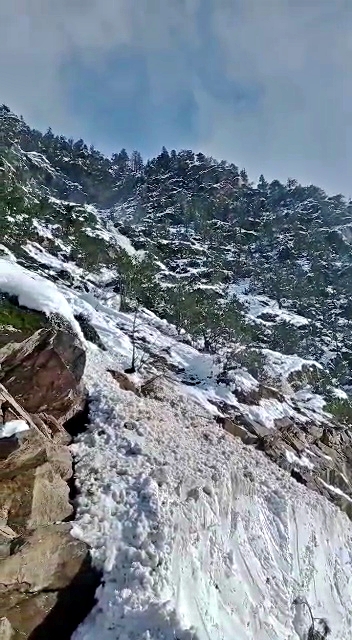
274,447
294,437
254,396
48,560
51,428
32,449
238,431
314,431
28,614
327,451
47,588
10,409
34,498
282,423
43,373
254,427
125,381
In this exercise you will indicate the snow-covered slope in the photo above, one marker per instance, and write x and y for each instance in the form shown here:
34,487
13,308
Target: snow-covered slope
203,495
198,535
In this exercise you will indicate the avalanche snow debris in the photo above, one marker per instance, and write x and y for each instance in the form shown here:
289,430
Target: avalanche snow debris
41,255
335,490
199,537
9,255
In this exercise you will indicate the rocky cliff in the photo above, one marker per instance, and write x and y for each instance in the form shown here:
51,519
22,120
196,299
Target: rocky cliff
46,578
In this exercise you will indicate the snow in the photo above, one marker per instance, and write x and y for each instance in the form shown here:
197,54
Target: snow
42,229
122,241
303,461
336,490
281,366
41,255
12,428
9,255
40,160
199,536
267,411
339,393
35,292
244,381
196,371
258,305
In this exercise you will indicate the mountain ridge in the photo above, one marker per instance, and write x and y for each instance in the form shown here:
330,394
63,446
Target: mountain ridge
201,225
219,375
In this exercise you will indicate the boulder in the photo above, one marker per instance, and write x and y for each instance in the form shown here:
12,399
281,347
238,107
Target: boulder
34,498
294,437
48,559
29,450
46,585
43,373
238,431
256,394
51,428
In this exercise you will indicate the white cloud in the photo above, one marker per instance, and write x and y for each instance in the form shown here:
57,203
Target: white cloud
300,54
297,51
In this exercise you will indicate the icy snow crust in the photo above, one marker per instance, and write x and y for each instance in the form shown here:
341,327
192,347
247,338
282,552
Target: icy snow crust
199,536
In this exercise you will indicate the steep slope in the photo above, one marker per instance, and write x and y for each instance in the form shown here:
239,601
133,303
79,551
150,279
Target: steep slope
224,308
198,535
272,261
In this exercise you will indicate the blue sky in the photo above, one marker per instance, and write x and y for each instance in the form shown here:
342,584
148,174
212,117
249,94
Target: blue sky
264,83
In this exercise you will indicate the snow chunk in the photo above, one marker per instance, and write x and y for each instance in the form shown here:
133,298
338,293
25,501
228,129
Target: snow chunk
35,292
13,427
303,461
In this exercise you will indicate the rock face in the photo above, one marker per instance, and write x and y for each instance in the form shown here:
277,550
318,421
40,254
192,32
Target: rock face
47,584
46,560
48,566
318,456
316,452
43,373
6,630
